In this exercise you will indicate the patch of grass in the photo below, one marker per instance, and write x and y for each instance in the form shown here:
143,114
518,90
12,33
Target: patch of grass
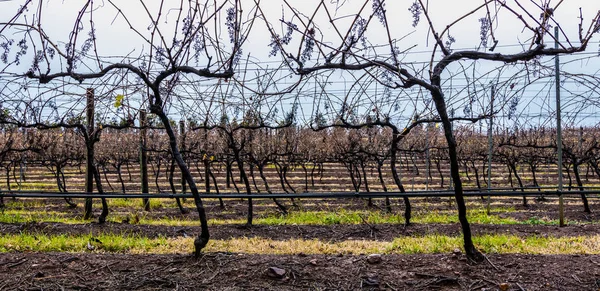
548,221
538,244
39,186
120,202
475,215
24,214
85,243
541,221
330,218
478,216
404,245
20,216
132,203
23,203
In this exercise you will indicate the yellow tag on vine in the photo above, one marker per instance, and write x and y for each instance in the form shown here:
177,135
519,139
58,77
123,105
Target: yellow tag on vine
119,100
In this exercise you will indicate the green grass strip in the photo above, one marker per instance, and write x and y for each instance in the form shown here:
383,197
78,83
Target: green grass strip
430,244
476,216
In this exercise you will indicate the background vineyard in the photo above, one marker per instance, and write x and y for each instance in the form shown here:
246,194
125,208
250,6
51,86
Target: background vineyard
325,164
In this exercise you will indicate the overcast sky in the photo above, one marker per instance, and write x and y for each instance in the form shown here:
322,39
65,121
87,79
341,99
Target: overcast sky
114,38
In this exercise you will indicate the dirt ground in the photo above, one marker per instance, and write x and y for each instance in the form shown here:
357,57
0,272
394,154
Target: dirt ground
228,271
587,223
237,208
223,271
333,233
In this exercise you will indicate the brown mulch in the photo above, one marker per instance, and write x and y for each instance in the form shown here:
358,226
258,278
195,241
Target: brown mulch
221,271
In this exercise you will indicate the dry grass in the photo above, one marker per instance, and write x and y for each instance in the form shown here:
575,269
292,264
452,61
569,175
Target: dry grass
404,245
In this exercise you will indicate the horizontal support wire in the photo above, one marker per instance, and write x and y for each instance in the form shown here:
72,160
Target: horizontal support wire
440,193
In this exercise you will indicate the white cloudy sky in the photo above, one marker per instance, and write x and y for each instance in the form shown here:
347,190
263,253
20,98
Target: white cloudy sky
115,39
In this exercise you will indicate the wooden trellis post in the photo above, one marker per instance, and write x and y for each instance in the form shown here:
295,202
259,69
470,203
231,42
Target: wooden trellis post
182,146
490,150
144,158
561,207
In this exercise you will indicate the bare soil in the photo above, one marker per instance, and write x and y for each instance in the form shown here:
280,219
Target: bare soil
332,233
225,271
237,208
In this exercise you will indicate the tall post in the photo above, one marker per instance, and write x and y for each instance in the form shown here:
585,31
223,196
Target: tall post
451,129
581,138
23,161
427,157
561,206
21,172
89,157
144,158
182,146
451,186
414,169
490,149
